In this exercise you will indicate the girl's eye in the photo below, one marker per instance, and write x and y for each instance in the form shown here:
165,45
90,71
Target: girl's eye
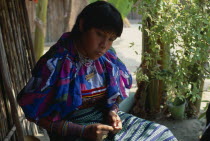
99,34
112,39
104,35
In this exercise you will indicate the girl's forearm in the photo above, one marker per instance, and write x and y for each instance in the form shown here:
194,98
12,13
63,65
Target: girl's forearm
62,128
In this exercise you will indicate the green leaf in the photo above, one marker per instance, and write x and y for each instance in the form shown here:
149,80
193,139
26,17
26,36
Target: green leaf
202,115
136,52
131,44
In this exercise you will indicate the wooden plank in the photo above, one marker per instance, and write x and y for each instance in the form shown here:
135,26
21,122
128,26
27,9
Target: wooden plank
3,116
55,20
59,13
29,45
12,131
17,60
4,35
8,88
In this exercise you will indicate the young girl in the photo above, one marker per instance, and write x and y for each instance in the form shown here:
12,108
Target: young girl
77,85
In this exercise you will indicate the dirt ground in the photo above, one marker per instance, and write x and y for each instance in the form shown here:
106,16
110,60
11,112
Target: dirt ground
190,129
185,130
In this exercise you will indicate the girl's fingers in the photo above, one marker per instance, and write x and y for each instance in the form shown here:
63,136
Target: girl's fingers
106,128
119,125
105,132
117,120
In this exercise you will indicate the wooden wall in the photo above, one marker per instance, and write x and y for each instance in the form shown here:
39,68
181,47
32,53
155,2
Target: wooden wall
31,9
16,62
61,16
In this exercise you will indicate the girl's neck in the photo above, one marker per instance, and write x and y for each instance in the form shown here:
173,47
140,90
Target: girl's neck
79,47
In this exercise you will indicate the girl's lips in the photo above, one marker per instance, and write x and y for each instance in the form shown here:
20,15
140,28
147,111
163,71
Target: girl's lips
100,53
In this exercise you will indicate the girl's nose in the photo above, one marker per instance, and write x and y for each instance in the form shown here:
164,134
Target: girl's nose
103,44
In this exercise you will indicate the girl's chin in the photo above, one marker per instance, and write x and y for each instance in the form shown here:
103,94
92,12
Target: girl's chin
95,57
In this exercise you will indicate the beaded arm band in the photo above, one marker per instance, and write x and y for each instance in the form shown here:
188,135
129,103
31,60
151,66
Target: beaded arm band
62,128
115,107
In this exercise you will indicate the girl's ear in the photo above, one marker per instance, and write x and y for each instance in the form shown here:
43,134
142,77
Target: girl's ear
81,23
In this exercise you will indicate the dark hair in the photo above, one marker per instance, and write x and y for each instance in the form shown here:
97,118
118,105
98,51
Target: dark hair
100,15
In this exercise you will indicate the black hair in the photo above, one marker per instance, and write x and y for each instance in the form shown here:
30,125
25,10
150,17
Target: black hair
101,15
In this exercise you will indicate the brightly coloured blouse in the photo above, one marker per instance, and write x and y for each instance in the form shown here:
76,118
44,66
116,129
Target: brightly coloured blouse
61,83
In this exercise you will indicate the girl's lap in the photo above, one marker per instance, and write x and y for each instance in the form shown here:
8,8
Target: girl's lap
134,128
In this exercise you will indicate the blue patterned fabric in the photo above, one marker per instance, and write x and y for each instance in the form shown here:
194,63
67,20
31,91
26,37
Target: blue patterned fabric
134,128
56,84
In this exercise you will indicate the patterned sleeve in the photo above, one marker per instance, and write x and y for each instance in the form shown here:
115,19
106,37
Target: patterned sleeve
120,80
47,92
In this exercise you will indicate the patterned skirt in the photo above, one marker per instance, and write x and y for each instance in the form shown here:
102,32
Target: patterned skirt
134,128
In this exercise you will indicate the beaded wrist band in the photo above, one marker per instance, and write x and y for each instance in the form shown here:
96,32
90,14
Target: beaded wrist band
115,107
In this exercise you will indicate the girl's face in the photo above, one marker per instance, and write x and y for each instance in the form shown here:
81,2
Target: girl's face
95,42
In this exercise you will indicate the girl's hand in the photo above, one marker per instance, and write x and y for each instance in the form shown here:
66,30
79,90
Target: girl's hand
97,132
115,121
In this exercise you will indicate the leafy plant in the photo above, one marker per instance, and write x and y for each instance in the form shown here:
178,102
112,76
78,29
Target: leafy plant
124,6
178,45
